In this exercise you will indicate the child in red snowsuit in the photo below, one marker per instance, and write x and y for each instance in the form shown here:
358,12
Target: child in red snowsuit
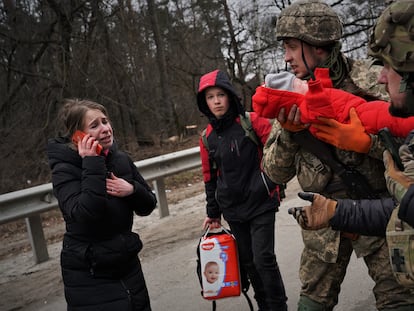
317,98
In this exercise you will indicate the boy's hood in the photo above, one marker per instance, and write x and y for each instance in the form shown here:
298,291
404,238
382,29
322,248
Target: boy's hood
220,79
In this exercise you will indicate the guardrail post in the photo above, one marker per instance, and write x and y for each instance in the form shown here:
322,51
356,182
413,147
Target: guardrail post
37,238
159,187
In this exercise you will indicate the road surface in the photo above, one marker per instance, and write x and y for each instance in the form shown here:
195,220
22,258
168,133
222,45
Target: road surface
170,267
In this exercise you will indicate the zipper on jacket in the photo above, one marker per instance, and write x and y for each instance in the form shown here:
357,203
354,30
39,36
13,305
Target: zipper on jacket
237,148
234,146
128,294
265,183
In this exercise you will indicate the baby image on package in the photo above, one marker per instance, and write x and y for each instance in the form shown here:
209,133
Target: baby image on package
219,263
213,279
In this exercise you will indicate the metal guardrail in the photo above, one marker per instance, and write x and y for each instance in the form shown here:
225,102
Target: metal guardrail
31,202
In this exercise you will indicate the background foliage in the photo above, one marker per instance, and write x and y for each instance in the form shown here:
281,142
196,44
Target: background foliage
142,59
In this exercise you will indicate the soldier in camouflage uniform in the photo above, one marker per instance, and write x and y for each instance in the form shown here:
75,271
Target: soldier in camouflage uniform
392,43
311,31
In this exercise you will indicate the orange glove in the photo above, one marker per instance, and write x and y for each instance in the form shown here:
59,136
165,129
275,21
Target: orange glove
351,136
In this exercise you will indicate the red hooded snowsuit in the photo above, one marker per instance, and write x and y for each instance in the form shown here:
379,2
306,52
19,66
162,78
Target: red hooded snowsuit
325,101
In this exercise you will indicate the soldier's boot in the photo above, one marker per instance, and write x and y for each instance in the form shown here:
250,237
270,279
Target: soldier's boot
307,304
400,308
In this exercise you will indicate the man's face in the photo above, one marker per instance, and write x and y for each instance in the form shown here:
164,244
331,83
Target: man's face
293,56
391,79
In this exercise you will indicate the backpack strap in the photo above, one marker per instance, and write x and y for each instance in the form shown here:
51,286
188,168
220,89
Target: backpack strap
204,138
246,124
244,291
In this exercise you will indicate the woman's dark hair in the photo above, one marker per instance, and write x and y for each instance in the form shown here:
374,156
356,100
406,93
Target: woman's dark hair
73,112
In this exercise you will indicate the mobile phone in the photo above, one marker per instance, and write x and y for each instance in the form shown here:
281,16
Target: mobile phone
392,146
78,136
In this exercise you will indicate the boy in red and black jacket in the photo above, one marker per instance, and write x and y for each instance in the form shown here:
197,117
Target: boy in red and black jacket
237,188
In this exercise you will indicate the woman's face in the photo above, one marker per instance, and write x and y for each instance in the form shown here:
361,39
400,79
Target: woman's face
217,101
98,126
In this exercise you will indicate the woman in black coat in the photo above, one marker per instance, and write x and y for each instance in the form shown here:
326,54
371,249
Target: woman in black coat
98,189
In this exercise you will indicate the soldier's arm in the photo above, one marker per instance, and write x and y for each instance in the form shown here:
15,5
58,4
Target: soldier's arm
366,217
406,212
279,155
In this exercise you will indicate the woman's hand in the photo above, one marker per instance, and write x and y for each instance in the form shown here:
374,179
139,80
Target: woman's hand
87,146
118,187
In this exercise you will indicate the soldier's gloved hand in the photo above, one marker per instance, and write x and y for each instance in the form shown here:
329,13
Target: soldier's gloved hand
297,213
291,122
397,182
407,159
350,136
317,215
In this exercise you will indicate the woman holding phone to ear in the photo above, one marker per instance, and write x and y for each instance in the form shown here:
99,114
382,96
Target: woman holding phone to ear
98,189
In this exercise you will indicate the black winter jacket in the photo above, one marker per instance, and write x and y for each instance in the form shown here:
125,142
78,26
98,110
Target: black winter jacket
366,217
237,187
98,242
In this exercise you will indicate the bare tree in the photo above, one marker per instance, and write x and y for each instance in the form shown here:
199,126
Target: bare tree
142,59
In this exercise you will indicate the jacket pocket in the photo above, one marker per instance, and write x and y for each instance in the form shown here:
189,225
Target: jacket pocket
312,174
73,255
113,257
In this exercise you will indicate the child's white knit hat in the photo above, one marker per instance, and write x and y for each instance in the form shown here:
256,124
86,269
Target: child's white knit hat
282,80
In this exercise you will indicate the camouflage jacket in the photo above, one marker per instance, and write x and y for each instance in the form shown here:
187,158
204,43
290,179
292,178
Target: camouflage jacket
283,159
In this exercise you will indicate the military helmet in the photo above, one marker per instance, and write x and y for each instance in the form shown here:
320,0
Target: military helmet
311,21
392,39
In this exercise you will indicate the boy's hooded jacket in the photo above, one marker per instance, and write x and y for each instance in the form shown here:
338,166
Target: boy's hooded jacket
235,184
325,101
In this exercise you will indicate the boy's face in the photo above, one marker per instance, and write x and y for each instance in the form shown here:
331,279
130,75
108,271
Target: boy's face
217,101
212,273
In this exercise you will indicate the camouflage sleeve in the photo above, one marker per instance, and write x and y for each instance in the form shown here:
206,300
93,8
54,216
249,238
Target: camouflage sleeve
365,74
279,155
396,189
377,147
406,212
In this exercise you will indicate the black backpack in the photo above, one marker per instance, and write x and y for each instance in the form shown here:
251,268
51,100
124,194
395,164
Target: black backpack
245,283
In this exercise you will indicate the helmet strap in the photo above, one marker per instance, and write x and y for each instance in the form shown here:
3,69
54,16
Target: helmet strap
312,75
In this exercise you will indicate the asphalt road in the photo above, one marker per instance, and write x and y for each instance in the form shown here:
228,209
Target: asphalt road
173,285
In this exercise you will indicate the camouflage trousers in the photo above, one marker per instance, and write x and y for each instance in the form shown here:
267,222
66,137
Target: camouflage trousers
321,281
